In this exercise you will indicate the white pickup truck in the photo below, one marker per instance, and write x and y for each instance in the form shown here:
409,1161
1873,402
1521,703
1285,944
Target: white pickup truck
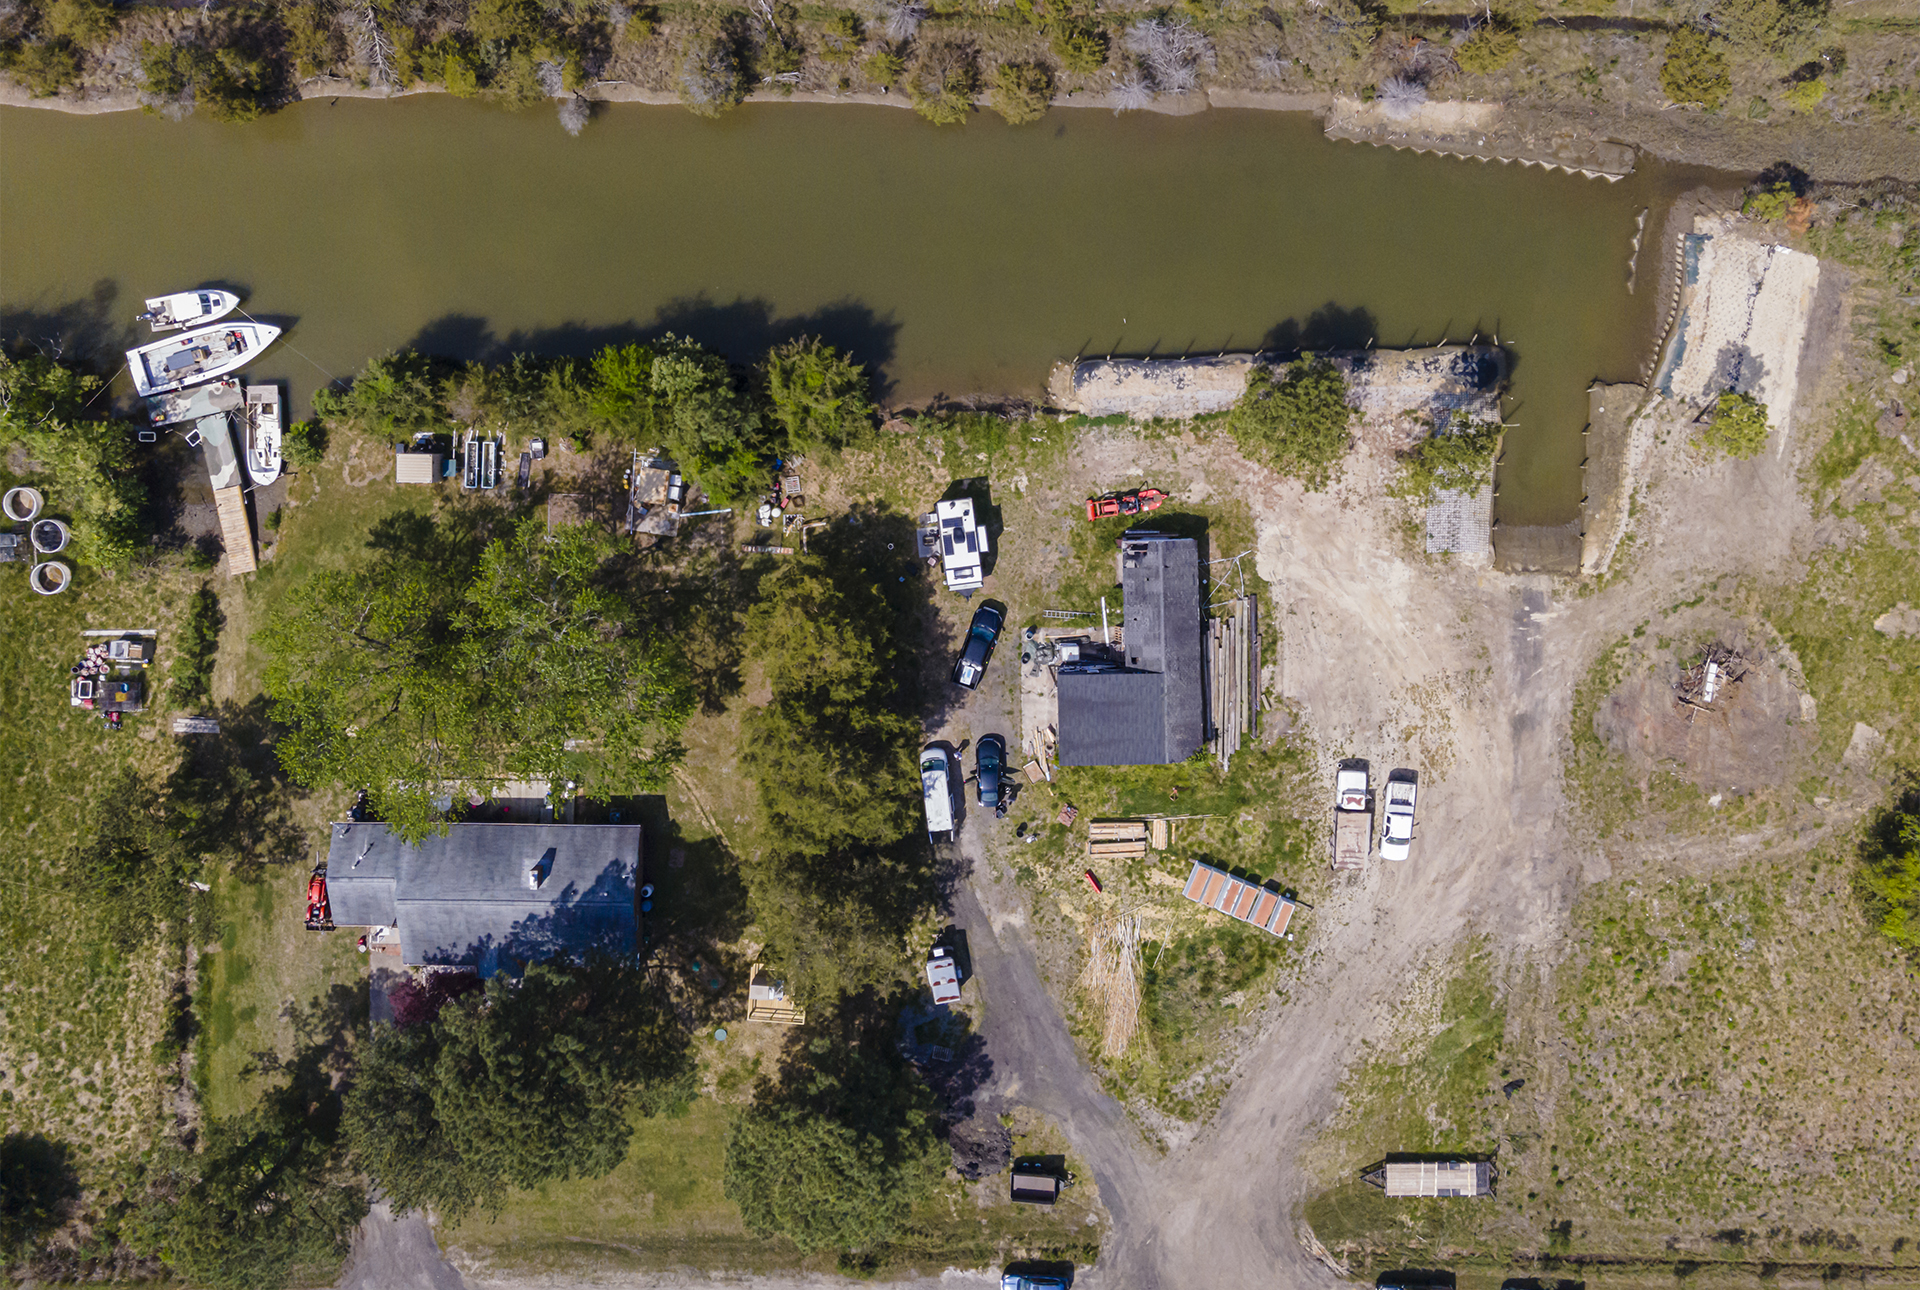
1352,816
1396,828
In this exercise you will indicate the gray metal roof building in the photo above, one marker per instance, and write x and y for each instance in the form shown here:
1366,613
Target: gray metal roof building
490,896
1152,711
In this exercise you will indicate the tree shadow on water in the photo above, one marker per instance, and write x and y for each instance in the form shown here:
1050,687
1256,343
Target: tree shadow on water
742,329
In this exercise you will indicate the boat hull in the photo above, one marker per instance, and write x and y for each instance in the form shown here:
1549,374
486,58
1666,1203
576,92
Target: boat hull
264,428
189,309
197,357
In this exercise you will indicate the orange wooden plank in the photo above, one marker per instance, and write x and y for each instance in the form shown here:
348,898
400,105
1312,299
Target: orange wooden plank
1263,910
1197,881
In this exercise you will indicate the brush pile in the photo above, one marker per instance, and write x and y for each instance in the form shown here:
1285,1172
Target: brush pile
1704,682
1112,980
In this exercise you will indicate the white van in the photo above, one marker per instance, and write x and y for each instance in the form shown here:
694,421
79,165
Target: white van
936,790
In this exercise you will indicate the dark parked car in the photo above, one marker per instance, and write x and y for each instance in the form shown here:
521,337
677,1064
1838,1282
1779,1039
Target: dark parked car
989,764
982,635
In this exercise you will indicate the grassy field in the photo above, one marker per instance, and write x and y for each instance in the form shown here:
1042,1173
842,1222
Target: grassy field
84,1001
664,1208
1715,1080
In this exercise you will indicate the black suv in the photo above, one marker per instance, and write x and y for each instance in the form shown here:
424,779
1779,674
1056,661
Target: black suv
982,635
989,765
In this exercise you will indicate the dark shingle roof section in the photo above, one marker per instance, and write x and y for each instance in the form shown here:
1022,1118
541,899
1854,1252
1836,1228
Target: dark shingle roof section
1112,719
1154,711
465,899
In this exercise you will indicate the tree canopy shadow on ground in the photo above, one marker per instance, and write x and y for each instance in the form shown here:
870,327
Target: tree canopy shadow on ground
38,1185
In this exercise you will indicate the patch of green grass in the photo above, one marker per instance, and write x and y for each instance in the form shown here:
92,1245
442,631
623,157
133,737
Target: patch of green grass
80,1015
664,1208
1853,440
267,963
1189,989
1435,1092
1855,672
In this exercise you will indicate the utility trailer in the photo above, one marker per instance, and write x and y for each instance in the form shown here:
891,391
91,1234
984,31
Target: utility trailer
943,975
1352,816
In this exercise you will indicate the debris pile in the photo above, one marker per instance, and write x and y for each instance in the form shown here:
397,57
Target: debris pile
1719,667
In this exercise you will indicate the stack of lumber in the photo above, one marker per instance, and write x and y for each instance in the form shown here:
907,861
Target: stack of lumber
1116,839
1233,678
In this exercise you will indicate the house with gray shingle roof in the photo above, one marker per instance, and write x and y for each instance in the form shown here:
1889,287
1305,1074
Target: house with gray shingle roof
493,897
1150,708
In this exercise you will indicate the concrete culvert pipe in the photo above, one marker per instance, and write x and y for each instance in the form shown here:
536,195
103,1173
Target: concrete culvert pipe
50,578
50,537
21,504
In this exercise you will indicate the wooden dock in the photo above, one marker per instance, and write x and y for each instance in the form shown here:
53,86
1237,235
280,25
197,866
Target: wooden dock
235,531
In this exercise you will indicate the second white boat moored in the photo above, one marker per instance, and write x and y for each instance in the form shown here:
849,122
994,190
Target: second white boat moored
188,308
198,356
263,433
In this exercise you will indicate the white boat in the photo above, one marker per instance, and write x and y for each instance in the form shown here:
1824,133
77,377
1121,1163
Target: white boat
188,309
198,356
263,433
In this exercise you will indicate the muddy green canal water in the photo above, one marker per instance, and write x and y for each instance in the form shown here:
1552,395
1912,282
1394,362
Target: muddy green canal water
958,261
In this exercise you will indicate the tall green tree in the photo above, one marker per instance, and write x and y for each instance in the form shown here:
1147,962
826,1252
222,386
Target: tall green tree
265,1200
83,461
819,396
525,1083
562,655
397,396
1889,878
425,670
1298,423
709,420
834,1154
1738,428
831,752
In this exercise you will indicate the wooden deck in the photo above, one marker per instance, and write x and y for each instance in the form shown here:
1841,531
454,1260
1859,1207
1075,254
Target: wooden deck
234,530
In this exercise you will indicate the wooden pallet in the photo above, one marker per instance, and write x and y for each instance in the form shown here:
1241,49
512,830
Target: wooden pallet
231,503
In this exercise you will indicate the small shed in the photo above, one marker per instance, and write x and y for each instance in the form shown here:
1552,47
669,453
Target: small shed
1032,1187
417,467
767,1000
1402,1178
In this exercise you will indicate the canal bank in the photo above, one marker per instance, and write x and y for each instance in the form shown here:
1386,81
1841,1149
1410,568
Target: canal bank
958,263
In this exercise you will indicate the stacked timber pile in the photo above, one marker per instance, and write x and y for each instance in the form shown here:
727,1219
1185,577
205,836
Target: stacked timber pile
1116,839
1233,678
1112,981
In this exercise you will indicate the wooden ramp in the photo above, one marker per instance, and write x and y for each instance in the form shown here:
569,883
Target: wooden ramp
234,530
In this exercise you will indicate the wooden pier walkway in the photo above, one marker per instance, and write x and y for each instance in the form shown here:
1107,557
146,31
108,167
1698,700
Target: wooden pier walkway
234,530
